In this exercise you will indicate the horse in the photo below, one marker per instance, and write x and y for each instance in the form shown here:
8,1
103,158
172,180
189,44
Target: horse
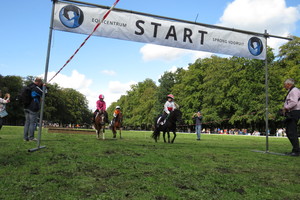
100,124
117,125
168,126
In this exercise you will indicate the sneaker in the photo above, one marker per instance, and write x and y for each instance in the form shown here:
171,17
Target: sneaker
25,140
34,139
292,154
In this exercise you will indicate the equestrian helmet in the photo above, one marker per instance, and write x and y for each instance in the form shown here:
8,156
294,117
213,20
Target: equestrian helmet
170,96
118,107
101,96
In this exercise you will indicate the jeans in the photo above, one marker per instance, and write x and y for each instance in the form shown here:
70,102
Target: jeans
30,122
198,131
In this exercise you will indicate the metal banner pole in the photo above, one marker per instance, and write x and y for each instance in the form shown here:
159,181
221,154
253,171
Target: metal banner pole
45,80
267,94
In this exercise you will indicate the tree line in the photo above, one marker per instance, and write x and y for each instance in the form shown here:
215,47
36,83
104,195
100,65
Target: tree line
230,93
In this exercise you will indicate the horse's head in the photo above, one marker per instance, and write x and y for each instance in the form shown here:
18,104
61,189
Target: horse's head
176,115
100,118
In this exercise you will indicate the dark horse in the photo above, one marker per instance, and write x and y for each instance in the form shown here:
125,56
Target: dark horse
100,124
168,126
117,124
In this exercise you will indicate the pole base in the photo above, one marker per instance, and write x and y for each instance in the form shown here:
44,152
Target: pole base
36,149
268,152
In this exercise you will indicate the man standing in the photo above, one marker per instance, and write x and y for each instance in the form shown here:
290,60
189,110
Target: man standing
32,109
198,121
291,110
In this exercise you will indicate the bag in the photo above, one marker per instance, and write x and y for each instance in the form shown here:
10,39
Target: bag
3,113
25,96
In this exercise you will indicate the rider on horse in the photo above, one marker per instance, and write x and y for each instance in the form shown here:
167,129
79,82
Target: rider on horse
101,106
169,106
116,112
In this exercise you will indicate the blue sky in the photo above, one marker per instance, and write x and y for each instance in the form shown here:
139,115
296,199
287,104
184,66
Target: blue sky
110,66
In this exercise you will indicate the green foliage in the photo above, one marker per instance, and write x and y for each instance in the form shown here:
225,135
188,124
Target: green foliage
138,106
230,92
63,106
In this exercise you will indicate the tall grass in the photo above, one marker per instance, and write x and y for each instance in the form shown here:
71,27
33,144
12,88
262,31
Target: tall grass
76,166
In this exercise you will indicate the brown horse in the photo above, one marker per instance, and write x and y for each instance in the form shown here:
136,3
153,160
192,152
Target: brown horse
117,124
100,124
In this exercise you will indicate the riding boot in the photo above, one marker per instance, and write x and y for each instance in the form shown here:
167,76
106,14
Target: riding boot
158,123
106,117
94,117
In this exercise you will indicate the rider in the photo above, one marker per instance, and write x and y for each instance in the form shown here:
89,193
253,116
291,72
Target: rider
169,106
101,106
116,112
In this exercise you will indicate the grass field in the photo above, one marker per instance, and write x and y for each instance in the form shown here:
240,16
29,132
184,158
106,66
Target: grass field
76,166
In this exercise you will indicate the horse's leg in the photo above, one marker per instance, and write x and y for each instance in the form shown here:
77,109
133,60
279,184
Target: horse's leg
120,130
164,134
169,137
114,130
97,134
174,136
103,133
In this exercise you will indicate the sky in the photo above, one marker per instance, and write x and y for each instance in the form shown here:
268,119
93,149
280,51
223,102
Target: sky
110,66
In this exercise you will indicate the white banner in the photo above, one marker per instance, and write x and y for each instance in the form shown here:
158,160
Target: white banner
140,28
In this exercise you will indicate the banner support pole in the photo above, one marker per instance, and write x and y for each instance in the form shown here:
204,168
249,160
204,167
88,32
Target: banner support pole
45,81
266,35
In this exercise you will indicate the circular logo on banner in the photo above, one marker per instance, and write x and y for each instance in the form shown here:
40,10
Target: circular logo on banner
71,16
255,46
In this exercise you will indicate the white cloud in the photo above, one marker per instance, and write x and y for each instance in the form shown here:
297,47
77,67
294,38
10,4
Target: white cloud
251,15
76,81
173,69
83,85
108,72
116,87
260,15
157,52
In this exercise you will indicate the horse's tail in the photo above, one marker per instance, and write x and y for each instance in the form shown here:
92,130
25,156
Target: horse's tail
156,133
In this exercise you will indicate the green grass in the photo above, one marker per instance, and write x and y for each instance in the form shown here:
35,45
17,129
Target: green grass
81,167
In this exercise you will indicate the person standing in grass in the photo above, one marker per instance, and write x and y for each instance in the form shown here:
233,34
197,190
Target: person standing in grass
291,110
3,102
198,124
32,109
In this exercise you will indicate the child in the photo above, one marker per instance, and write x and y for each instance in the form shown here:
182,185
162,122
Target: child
101,106
116,112
168,107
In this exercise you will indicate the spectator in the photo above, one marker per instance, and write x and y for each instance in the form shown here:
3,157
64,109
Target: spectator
198,124
3,102
291,110
31,110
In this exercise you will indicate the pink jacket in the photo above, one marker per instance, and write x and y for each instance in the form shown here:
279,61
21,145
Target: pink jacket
101,105
292,100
